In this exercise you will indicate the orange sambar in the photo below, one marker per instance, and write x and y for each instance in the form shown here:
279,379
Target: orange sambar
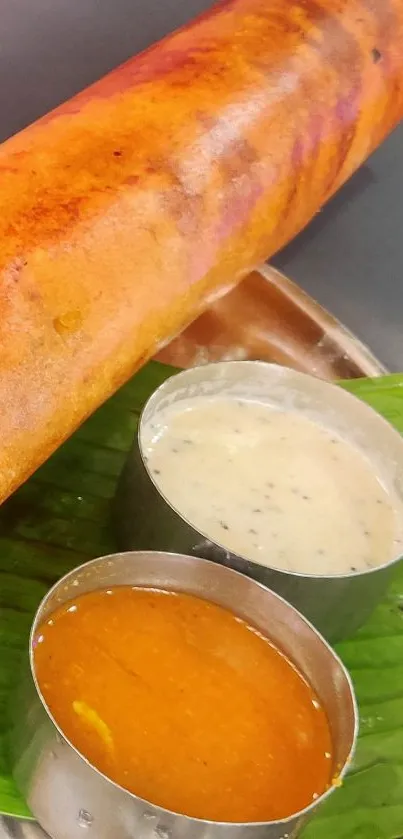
182,703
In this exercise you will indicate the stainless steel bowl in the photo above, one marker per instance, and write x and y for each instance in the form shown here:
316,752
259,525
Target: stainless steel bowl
336,605
11,828
70,798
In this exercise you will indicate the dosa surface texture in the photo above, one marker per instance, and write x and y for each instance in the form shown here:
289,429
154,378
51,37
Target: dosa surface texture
127,209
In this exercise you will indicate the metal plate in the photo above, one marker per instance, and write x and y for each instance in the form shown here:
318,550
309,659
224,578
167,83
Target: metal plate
271,318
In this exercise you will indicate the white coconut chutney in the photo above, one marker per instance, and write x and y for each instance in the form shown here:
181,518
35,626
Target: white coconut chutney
272,486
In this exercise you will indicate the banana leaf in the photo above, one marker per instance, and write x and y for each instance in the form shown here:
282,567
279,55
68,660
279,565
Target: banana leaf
60,518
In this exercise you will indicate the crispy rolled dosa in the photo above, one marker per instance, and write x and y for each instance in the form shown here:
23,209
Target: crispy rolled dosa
125,210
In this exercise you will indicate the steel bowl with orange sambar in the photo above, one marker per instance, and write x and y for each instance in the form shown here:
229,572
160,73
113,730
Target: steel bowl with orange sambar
170,691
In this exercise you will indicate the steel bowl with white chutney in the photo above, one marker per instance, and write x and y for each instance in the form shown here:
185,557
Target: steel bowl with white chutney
336,604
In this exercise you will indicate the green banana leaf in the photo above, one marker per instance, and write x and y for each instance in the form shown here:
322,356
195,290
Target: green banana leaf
60,518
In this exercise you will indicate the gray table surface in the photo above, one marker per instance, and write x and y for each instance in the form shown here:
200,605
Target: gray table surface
350,257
